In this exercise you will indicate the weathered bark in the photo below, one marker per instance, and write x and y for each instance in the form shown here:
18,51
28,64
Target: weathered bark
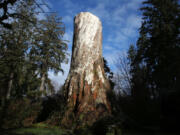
9,86
86,86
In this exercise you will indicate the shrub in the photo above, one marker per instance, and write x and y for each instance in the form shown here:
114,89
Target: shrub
20,112
52,110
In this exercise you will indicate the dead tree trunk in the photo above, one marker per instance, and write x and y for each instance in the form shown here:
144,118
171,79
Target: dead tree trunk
9,86
86,86
42,89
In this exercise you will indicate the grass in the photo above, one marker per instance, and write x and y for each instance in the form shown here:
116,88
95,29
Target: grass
43,129
40,129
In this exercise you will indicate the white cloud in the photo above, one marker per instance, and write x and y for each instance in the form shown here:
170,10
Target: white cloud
68,36
130,29
68,19
100,11
71,6
117,37
134,21
134,4
108,47
121,19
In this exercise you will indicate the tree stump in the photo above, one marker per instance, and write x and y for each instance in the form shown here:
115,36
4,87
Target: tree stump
86,86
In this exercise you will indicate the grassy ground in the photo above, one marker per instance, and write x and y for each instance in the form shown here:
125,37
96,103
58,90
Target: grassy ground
43,129
40,129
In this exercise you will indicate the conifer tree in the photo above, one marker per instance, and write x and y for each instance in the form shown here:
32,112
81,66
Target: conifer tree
158,47
155,60
49,49
14,46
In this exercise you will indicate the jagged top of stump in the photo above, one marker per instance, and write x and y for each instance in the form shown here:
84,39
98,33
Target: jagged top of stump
87,15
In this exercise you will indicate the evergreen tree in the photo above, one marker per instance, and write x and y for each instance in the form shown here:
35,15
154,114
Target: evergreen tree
158,46
155,60
14,46
5,15
49,49
9,10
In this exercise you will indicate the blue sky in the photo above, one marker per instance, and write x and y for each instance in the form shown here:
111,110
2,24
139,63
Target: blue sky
121,20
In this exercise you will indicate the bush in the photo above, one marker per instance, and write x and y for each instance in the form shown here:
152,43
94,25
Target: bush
106,126
20,112
54,119
83,131
52,110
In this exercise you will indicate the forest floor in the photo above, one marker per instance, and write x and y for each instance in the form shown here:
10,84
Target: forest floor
43,129
38,129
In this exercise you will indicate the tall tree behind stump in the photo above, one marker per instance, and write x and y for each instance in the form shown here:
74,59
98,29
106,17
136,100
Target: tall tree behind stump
86,86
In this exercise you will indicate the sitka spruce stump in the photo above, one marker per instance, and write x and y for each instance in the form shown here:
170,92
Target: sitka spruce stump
86,86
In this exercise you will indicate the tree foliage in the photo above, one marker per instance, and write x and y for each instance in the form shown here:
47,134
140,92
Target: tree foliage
122,76
49,49
29,50
109,73
155,60
10,8
158,46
